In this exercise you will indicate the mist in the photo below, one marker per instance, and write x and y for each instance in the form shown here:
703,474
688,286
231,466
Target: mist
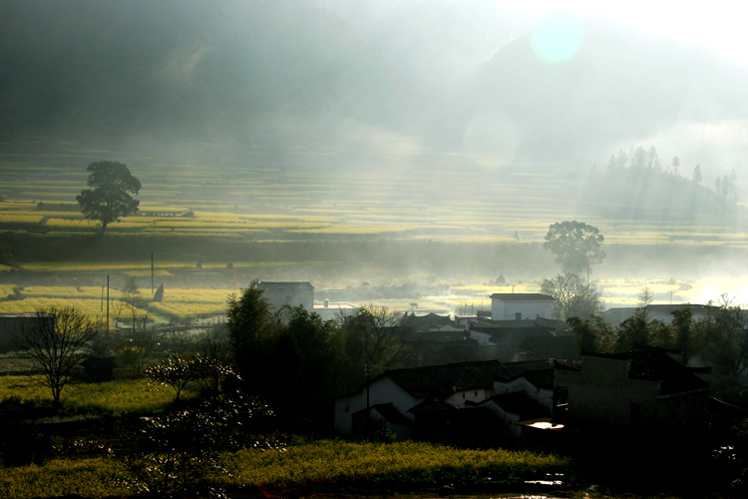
499,89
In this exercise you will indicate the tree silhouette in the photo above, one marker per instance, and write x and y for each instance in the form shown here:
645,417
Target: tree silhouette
111,196
55,339
576,246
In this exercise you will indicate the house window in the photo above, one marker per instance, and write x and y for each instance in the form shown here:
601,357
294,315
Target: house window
476,393
463,394
518,316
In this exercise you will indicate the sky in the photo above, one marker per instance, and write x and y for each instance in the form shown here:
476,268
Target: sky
502,81
716,25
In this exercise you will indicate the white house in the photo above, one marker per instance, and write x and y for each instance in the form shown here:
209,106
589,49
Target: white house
511,306
430,398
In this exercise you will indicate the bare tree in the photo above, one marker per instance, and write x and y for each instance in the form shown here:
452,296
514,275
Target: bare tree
572,297
56,340
375,339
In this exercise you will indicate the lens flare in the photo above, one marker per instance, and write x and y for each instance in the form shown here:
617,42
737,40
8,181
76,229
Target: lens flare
557,38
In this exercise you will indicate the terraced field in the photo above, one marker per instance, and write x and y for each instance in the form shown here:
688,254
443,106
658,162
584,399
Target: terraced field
335,216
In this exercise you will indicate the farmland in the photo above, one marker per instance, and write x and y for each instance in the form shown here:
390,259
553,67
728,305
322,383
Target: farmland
397,228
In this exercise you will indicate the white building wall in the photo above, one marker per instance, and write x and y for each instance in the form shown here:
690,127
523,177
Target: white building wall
458,399
381,391
481,338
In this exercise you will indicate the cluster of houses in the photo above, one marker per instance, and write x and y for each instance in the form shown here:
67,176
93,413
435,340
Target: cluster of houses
493,378
489,379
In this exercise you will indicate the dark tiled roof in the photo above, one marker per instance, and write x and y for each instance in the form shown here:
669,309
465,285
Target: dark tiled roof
654,364
441,381
521,296
432,407
438,336
424,322
444,380
388,412
521,404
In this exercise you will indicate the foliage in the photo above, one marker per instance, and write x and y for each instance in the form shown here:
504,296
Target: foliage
576,245
572,297
178,370
722,337
184,445
56,341
174,371
592,334
111,196
375,341
308,360
251,329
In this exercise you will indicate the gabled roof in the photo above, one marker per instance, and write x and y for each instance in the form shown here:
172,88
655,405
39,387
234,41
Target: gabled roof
438,336
521,297
654,364
388,412
431,407
426,322
441,381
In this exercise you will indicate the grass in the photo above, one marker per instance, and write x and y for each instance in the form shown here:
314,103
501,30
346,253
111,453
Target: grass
407,465
419,464
121,396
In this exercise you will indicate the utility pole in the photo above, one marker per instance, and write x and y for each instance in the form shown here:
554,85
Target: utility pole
107,305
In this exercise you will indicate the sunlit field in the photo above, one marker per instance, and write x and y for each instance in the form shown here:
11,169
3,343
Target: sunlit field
435,196
326,196
122,396
368,465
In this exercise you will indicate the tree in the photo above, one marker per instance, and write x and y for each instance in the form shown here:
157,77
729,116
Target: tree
592,335
576,246
723,337
572,297
56,340
175,371
251,327
374,340
178,371
697,175
111,196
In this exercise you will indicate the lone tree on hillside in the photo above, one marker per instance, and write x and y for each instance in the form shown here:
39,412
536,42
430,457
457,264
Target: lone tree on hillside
111,196
56,339
576,246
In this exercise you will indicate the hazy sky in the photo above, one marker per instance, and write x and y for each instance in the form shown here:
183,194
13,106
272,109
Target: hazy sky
503,81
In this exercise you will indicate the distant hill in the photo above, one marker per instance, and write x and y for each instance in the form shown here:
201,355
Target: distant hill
620,85
643,194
